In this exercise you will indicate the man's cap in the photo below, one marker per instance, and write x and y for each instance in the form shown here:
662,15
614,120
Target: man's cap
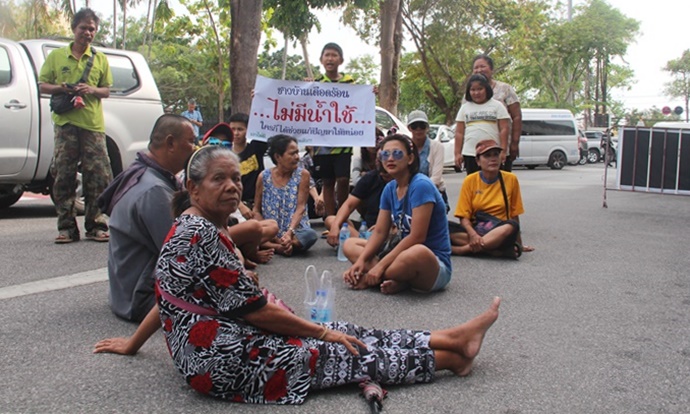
221,128
417,116
486,145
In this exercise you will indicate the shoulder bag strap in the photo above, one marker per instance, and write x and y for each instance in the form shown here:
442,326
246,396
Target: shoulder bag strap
87,69
505,196
183,304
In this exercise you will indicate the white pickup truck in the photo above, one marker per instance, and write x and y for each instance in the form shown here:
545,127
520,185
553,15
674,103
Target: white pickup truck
26,136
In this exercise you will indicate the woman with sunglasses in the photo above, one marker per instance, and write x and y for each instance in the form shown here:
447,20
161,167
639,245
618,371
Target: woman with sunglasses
365,198
430,151
421,260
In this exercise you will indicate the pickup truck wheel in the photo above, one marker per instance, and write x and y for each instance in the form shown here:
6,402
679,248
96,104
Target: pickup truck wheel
557,160
10,194
79,202
593,156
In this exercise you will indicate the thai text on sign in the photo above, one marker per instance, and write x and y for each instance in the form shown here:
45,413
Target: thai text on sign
321,114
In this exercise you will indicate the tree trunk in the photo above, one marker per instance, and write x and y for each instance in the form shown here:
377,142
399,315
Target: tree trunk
114,24
305,53
388,89
146,24
219,51
244,45
153,26
285,55
124,24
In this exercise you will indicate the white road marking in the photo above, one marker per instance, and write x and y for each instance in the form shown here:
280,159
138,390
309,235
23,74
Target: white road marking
56,283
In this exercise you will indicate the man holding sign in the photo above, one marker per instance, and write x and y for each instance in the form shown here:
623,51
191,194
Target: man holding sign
329,113
332,164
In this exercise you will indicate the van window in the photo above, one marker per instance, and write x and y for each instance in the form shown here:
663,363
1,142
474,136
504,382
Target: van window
536,128
5,68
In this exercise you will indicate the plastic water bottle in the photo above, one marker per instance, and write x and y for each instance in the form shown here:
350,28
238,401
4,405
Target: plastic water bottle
311,286
325,296
363,231
344,235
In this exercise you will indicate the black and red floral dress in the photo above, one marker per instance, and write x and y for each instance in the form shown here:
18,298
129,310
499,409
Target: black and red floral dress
224,356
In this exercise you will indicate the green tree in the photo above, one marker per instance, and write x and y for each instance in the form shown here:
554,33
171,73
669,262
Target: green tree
364,69
447,34
270,65
679,87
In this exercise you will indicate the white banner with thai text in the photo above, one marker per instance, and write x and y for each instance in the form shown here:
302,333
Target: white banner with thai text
316,113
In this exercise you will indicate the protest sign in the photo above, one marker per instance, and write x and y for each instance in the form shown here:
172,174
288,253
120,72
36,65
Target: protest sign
316,113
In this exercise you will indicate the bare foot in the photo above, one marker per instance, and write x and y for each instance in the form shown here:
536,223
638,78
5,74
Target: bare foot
263,256
248,264
470,335
391,287
527,248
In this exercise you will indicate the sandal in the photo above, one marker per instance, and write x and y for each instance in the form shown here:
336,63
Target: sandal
98,235
65,236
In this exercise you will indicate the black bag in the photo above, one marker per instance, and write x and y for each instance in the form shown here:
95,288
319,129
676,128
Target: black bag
393,239
64,102
485,222
395,234
61,103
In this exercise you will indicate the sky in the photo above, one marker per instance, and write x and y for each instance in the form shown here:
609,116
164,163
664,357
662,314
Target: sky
662,37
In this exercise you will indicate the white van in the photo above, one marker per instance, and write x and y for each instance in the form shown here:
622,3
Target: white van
549,137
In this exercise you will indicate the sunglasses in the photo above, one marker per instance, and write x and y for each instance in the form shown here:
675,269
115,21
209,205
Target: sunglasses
418,125
216,141
397,155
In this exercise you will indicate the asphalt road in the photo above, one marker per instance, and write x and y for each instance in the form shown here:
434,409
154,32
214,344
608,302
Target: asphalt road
596,320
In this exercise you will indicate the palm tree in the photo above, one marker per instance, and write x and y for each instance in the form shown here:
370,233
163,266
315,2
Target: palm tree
162,12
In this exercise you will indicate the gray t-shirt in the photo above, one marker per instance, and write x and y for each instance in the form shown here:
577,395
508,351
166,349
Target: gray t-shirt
138,225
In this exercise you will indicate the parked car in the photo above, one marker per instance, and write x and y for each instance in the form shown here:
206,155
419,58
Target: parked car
27,141
386,120
433,130
549,137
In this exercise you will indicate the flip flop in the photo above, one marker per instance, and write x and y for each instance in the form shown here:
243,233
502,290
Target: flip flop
98,235
65,237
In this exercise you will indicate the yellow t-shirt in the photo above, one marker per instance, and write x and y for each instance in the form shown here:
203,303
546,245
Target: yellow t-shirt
476,195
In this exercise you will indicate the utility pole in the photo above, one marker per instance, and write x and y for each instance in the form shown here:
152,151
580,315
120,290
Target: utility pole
570,10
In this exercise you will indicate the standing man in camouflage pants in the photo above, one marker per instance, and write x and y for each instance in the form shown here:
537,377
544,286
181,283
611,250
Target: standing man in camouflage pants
80,132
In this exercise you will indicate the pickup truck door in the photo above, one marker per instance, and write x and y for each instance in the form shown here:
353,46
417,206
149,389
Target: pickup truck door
18,107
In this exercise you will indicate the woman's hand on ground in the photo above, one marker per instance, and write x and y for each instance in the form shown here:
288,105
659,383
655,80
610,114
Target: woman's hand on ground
348,340
120,346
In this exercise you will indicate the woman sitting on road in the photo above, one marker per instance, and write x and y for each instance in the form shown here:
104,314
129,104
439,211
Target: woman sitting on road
421,260
281,195
364,198
488,208
229,343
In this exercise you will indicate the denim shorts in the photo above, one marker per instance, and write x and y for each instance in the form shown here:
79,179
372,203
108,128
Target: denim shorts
442,278
307,237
